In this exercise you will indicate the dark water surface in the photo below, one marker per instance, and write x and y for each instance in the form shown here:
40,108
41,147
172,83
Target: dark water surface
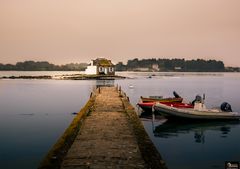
194,145
34,114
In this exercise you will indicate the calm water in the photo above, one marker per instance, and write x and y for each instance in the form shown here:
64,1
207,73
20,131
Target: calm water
196,145
34,113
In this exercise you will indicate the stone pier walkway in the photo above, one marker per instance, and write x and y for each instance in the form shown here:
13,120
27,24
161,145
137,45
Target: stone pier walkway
106,139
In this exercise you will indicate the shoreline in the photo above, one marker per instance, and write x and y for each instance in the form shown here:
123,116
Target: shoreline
120,75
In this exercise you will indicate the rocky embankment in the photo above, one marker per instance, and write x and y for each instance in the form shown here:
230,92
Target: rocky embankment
68,77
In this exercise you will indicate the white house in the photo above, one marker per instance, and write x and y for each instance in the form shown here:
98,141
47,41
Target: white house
100,66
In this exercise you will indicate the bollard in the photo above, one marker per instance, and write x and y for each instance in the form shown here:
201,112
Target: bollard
91,94
119,91
99,90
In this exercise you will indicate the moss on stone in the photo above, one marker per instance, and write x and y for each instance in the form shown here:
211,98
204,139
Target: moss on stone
149,152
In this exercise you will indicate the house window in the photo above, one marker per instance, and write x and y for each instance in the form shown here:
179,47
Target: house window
101,69
111,69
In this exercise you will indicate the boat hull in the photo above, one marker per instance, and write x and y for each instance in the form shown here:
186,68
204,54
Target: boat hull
191,114
148,106
162,100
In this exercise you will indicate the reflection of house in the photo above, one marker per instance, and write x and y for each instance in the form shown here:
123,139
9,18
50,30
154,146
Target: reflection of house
141,69
155,67
100,66
177,68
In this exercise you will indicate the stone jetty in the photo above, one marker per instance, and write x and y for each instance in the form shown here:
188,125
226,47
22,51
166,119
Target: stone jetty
110,136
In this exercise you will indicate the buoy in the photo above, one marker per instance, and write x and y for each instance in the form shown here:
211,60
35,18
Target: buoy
131,86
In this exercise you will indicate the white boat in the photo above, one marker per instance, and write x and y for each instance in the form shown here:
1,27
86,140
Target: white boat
199,112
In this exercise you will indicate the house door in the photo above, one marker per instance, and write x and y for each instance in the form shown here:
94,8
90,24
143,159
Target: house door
106,70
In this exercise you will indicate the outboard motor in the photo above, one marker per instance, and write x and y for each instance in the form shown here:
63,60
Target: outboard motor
176,95
226,107
197,99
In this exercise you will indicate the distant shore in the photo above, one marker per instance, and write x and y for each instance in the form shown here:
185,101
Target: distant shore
151,65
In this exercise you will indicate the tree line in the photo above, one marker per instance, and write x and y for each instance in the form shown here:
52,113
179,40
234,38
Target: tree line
198,65
43,66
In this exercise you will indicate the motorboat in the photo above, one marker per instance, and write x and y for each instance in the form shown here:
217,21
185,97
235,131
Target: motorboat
146,103
147,106
198,112
176,98
160,99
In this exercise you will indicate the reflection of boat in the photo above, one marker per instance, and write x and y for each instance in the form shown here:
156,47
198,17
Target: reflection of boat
146,115
148,105
199,112
174,128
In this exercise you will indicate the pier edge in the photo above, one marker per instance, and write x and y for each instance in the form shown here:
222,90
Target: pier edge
55,155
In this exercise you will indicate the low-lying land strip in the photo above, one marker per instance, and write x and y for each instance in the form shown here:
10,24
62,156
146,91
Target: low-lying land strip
68,77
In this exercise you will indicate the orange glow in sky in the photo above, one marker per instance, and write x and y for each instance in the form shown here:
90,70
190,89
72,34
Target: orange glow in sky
64,31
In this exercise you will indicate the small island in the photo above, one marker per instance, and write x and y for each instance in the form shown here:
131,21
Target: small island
99,69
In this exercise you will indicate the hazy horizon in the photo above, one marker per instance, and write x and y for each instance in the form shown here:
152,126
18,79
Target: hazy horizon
60,31
88,62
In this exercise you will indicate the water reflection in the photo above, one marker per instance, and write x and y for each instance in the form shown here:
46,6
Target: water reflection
174,129
100,83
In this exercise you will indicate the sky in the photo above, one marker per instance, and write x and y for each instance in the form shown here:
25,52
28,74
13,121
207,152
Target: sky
70,31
